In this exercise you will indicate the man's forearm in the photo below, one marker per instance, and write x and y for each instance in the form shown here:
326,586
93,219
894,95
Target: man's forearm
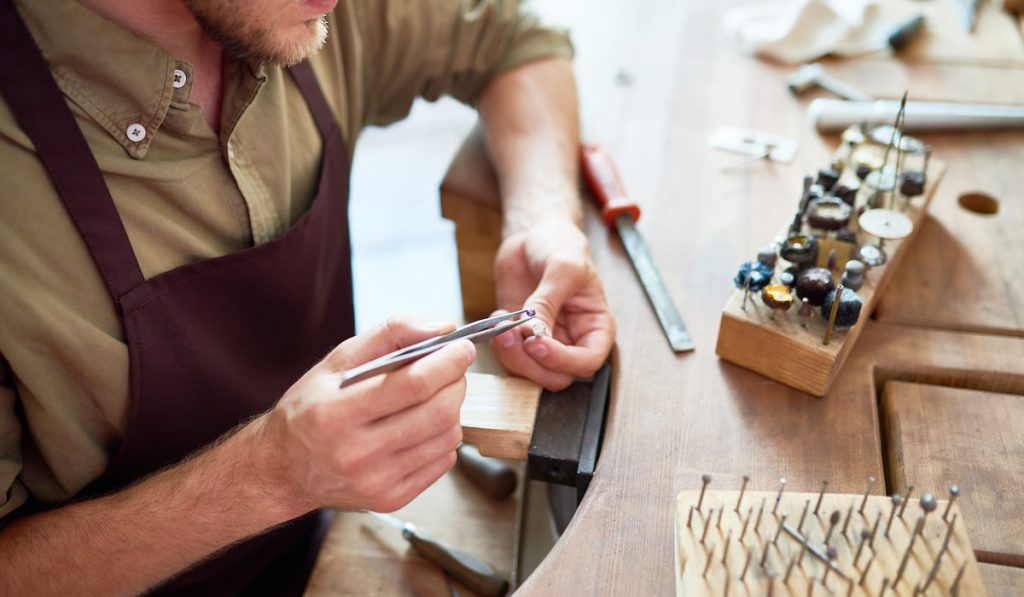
131,540
531,124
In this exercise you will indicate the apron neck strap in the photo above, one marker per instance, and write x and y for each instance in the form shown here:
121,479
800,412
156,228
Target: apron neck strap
42,112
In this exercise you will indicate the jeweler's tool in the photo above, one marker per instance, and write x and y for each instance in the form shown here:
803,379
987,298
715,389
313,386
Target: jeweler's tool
478,331
603,180
478,576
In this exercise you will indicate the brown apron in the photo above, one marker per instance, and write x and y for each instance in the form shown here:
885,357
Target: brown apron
212,343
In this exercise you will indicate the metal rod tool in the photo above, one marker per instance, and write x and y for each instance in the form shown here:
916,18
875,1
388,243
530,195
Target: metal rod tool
619,211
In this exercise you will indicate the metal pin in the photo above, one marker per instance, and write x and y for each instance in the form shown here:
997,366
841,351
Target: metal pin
746,565
885,585
728,581
832,315
803,550
874,530
778,498
810,587
718,525
817,506
896,501
938,556
910,549
689,518
832,522
846,523
831,553
928,504
746,523
906,500
743,488
849,588
871,483
778,531
953,492
867,567
865,536
707,566
725,551
954,589
789,570
800,527
707,525
705,479
757,523
764,558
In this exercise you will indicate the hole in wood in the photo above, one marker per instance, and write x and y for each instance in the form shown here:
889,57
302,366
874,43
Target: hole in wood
979,203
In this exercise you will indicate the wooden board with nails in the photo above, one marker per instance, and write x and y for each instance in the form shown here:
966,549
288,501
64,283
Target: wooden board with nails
757,546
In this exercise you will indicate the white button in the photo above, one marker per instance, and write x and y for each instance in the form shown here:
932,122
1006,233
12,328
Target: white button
179,78
136,132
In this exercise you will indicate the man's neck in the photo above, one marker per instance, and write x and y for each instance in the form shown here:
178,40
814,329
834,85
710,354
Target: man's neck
170,25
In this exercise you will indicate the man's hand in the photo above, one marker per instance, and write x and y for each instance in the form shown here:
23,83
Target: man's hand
377,444
548,268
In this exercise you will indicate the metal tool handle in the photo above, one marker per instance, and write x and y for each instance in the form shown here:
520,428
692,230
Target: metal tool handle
493,476
477,575
603,180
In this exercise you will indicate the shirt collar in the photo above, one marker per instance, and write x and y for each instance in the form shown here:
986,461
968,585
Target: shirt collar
125,83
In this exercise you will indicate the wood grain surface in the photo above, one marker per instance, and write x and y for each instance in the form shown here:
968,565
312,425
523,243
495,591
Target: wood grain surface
655,81
1002,581
939,436
363,556
498,413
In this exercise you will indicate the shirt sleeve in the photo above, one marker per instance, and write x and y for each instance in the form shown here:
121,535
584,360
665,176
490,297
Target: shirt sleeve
12,493
431,48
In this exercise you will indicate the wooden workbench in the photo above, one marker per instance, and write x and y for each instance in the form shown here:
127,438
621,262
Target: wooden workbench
946,341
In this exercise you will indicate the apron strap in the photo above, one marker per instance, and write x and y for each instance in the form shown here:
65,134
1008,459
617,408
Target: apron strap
39,107
318,106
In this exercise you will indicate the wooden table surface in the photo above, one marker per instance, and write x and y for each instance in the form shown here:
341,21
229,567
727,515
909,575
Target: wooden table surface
656,80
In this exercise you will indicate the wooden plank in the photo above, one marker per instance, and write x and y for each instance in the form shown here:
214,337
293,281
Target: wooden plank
710,557
470,201
940,436
1002,581
498,414
363,556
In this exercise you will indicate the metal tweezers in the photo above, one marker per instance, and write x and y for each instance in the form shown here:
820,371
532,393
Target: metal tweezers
478,331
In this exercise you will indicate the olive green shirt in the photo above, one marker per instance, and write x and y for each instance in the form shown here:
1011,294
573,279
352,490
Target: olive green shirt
186,193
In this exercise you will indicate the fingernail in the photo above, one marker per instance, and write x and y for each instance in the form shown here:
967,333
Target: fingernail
536,348
506,340
440,327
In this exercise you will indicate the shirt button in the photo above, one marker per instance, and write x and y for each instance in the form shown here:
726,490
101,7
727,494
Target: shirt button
179,78
136,132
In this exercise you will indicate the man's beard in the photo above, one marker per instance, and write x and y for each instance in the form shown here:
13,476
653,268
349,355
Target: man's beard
245,38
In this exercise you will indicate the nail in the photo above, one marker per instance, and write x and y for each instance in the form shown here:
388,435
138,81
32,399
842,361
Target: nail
705,479
507,340
871,483
906,500
896,501
536,348
821,495
778,498
953,492
743,488
800,527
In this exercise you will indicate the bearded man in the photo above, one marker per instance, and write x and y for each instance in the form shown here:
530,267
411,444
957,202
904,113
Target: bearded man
175,260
